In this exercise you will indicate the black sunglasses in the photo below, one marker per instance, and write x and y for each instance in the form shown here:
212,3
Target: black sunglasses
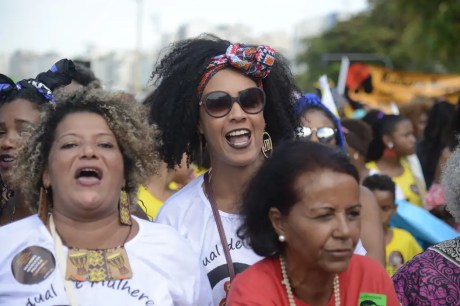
219,103
324,134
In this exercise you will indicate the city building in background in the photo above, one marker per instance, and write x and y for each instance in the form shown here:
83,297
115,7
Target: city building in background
130,70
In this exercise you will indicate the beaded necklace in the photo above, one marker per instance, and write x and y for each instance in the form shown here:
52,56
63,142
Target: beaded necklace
287,284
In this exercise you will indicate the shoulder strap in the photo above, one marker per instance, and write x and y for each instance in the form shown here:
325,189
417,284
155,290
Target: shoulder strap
220,228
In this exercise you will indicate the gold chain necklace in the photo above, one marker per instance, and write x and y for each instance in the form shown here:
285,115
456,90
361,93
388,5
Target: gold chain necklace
287,284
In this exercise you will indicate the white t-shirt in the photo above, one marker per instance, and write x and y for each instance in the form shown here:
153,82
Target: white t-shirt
189,211
163,273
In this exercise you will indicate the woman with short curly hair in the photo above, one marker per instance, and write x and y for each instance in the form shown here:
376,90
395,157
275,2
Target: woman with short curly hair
228,99
80,171
124,119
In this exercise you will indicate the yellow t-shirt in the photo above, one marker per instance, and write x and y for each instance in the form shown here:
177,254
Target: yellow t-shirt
149,204
199,171
406,182
401,248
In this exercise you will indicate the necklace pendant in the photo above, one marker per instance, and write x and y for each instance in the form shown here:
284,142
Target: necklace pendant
98,265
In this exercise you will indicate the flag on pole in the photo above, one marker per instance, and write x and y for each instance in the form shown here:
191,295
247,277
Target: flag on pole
326,95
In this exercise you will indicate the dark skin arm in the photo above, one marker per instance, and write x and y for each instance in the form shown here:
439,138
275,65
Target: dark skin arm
371,226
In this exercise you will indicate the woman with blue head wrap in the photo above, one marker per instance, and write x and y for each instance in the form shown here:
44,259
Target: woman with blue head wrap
318,123
21,105
309,104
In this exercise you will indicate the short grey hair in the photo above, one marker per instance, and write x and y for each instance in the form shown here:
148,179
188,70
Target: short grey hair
451,183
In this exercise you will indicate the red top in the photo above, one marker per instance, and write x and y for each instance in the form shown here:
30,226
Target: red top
364,280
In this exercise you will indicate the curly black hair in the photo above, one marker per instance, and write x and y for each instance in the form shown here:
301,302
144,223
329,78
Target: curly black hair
380,182
174,103
274,186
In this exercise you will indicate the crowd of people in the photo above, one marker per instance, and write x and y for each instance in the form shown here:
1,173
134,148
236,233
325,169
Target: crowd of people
226,186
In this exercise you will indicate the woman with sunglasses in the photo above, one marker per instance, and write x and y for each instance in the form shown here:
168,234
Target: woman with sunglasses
319,124
231,100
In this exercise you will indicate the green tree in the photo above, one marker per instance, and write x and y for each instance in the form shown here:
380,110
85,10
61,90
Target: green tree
419,35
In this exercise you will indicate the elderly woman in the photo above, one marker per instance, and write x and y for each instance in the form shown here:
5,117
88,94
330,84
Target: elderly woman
319,124
81,170
433,277
21,105
307,188
235,102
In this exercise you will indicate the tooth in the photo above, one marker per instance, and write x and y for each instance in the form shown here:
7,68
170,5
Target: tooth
238,133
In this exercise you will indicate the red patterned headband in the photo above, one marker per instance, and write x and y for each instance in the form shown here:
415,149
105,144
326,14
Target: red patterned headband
253,62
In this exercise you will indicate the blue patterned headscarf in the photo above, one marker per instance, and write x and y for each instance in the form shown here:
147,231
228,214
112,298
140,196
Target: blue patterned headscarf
8,88
60,74
309,101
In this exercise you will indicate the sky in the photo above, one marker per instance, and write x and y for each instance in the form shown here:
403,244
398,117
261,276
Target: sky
72,26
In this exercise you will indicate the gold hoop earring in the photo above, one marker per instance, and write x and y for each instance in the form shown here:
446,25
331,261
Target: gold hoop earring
124,206
267,145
